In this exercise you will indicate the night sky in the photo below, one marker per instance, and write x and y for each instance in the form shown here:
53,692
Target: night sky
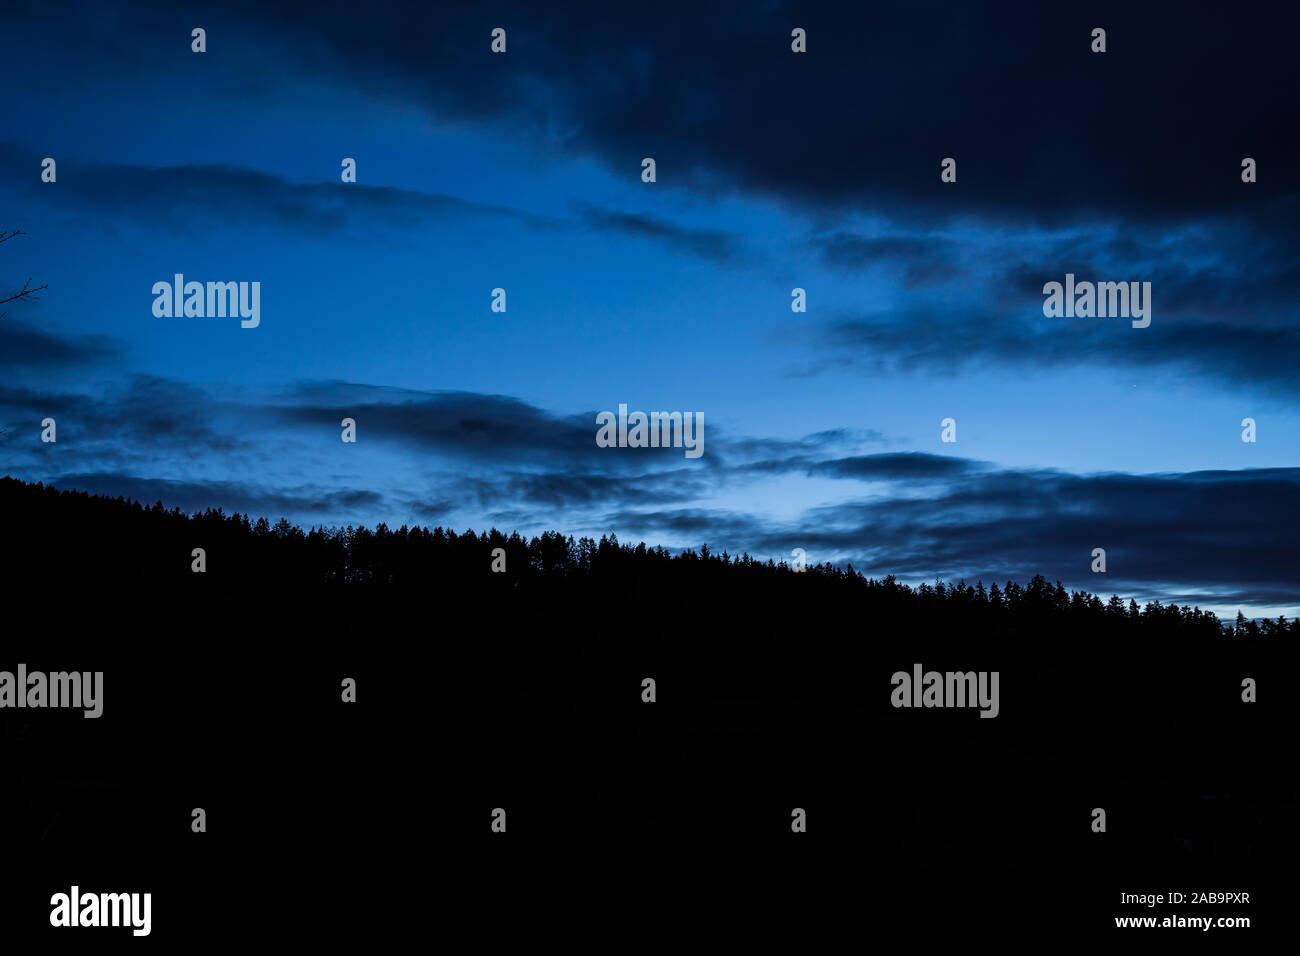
775,170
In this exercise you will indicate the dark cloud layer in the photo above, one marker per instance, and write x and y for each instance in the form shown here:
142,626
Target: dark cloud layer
1216,537
176,197
1260,357
25,346
144,416
901,466
484,427
1043,129
711,244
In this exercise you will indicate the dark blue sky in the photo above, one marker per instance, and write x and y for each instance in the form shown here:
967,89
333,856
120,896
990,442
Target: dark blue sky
775,170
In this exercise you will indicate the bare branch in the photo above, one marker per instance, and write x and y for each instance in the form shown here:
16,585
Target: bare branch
26,292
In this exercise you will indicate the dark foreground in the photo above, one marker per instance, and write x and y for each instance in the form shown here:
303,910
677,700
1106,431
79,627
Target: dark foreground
670,821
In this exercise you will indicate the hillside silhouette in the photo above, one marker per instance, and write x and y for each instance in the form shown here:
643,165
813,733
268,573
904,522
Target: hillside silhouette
522,690
154,543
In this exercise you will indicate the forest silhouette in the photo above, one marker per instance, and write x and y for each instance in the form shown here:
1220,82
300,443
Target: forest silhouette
523,690
155,543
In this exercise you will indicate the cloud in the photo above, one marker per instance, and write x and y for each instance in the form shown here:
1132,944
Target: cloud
1214,536
1054,135
146,413
1240,269
711,244
1223,296
1257,357
567,490
718,98
901,466
920,260
178,197
25,346
486,428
